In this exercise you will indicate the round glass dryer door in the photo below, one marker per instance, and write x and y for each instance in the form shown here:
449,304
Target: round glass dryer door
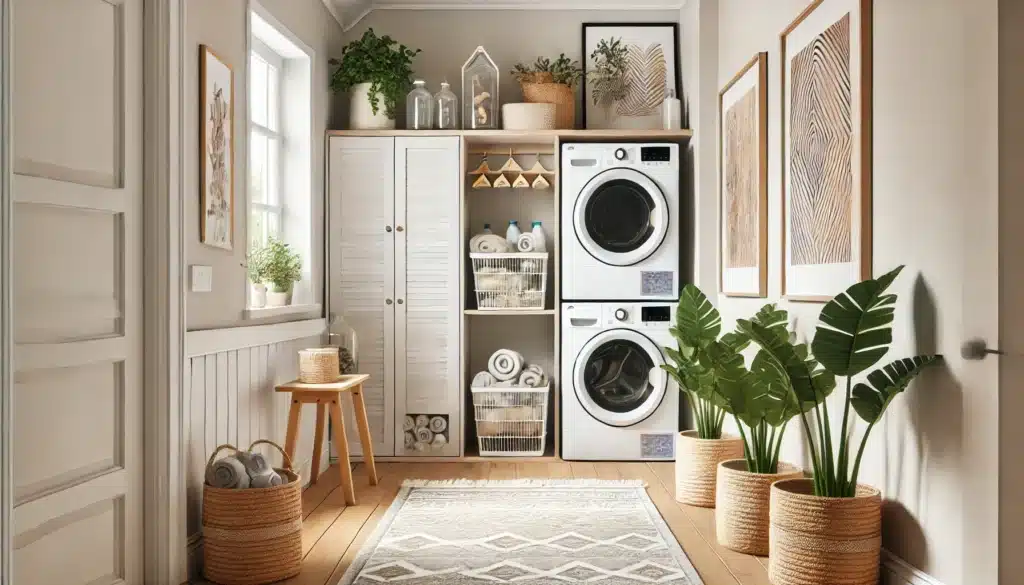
618,377
621,217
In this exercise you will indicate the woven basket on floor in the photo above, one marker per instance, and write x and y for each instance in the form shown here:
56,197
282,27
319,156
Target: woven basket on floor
824,541
697,465
319,365
253,536
542,91
742,504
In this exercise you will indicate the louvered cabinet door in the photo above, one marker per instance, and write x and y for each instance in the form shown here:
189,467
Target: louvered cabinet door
362,270
428,316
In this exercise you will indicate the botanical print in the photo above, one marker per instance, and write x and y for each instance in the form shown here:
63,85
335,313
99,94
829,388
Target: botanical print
821,150
217,147
740,182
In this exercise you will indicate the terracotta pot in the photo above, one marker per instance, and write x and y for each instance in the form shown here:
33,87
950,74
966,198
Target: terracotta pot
823,541
742,504
697,465
559,94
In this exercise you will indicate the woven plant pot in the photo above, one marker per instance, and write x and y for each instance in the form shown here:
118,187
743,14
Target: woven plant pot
823,541
253,536
697,465
319,365
742,505
553,93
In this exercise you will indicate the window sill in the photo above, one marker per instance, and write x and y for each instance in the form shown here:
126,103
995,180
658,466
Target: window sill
266,312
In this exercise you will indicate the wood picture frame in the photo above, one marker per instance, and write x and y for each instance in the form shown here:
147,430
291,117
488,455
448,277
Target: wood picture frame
822,258
743,181
216,150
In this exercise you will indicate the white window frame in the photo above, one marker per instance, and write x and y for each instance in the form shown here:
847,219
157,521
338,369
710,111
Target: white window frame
276,61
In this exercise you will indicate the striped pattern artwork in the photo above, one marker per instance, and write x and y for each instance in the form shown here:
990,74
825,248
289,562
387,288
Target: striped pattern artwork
645,77
821,149
742,165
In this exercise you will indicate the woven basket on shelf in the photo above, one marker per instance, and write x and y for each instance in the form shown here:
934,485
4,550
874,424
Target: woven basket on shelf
319,365
741,505
697,465
253,536
539,89
824,541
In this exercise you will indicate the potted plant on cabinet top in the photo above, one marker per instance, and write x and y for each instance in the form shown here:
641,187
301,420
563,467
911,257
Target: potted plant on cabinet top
283,270
256,269
828,529
699,452
378,71
551,82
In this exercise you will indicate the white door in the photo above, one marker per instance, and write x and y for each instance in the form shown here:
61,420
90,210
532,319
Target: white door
621,217
618,377
361,240
77,186
427,311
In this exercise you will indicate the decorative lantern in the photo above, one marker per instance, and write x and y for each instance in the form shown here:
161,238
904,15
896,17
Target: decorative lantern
480,92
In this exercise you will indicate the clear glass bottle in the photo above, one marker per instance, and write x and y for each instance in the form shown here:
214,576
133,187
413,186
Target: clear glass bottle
446,108
419,107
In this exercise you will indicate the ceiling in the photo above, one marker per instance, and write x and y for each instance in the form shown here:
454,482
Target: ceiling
349,12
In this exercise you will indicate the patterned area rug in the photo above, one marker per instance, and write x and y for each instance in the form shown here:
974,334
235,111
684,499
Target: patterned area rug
528,532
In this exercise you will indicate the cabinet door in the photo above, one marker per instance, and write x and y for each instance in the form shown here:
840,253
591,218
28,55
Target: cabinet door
428,315
362,271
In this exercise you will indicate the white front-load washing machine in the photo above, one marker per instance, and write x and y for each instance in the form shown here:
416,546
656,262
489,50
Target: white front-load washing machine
617,402
620,221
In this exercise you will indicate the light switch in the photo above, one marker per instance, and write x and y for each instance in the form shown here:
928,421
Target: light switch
202,278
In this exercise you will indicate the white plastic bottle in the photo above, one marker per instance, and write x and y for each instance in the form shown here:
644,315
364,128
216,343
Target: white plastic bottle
487,228
513,233
672,111
539,240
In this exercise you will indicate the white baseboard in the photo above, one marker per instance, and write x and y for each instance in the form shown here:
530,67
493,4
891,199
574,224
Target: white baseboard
896,571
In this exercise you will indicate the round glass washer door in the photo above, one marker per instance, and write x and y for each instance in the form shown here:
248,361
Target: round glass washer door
618,377
621,217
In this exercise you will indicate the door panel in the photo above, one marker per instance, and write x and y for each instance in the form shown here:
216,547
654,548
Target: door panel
77,296
427,283
362,271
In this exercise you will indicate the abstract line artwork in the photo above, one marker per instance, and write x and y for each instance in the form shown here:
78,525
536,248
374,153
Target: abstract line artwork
821,149
741,182
645,81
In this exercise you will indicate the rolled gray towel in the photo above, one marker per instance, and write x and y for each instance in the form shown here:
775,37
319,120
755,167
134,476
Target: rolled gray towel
260,472
266,480
227,473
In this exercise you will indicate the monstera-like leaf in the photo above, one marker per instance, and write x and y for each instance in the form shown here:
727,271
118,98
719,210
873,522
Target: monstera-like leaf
872,398
698,322
856,327
773,395
774,319
810,383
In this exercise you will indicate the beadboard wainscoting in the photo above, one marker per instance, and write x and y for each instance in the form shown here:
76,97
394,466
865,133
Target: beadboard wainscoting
230,376
896,571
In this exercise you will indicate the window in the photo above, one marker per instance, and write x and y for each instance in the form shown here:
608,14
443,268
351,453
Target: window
265,144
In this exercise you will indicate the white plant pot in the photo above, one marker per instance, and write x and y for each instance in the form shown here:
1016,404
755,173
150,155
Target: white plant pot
361,116
279,299
259,296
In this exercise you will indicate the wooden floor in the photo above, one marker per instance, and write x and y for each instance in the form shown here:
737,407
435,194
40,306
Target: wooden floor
334,533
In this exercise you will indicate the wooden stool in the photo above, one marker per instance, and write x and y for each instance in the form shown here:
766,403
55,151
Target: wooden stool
324,395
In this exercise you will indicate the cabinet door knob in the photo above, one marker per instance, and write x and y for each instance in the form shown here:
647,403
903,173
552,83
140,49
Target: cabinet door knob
401,301
387,301
387,228
400,229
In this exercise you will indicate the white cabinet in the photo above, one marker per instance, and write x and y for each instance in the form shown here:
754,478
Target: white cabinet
394,266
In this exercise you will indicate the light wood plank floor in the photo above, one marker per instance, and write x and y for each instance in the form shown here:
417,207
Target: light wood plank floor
334,533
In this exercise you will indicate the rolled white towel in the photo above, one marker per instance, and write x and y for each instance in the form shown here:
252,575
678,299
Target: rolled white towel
408,424
423,435
422,421
227,473
534,368
507,384
409,439
438,424
419,446
505,364
489,244
532,379
526,243
483,380
439,441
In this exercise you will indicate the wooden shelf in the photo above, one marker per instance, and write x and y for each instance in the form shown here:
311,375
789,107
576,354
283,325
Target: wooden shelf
507,312
529,136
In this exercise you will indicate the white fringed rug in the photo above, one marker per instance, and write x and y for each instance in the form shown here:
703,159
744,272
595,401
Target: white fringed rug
529,532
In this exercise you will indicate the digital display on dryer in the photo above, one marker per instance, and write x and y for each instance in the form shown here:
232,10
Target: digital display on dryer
656,154
655,314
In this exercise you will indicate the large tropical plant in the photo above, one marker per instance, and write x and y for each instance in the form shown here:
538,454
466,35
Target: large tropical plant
854,333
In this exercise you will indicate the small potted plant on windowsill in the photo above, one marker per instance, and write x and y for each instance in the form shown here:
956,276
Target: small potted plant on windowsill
378,72
256,269
282,270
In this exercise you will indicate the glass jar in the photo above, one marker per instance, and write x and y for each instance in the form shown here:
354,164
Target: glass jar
480,92
419,107
446,108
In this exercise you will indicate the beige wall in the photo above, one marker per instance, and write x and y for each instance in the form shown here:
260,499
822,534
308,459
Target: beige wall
221,24
922,188
448,37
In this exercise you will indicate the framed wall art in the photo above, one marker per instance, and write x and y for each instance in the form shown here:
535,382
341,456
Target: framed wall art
743,181
826,149
628,69
216,150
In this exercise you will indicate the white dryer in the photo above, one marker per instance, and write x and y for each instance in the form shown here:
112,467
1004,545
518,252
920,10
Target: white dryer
620,221
617,402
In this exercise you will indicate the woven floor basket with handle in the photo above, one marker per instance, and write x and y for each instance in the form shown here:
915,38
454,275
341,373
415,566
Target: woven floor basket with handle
253,536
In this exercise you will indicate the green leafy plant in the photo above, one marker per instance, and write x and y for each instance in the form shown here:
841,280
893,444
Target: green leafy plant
256,264
380,61
283,267
562,70
853,334
608,78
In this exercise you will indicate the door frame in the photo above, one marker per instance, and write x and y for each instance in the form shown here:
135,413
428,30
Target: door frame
6,328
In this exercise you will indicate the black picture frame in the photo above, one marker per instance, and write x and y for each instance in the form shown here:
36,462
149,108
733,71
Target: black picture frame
586,56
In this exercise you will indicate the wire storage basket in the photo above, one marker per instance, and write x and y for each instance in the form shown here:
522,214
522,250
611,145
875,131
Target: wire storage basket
516,281
511,421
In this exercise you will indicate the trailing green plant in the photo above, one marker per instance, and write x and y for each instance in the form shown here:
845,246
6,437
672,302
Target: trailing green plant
853,334
608,78
283,266
382,62
562,70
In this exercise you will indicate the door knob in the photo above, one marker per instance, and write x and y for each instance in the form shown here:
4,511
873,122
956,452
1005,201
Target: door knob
387,228
401,301
387,301
400,229
977,349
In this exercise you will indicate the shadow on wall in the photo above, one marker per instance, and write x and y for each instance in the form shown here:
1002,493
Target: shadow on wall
934,406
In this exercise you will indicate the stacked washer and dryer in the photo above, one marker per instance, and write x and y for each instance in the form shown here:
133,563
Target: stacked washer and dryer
620,283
